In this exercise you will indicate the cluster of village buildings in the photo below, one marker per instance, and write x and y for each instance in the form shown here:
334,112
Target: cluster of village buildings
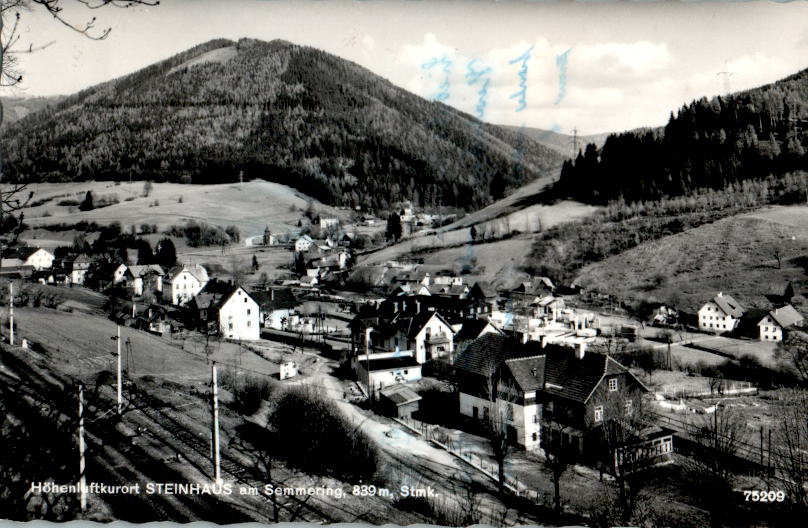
519,354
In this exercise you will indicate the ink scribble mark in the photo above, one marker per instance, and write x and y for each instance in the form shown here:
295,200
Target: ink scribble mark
479,76
443,89
521,94
561,63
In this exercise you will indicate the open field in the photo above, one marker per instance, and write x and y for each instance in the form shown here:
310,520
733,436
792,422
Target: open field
251,206
527,220
81,345
737,255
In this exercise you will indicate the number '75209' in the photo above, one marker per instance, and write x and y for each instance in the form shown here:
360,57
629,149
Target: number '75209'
764,496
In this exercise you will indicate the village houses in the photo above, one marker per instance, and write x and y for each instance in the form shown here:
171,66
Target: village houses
79,269
777,322
236,315
184,283
551,391
37,258
140,278
720,315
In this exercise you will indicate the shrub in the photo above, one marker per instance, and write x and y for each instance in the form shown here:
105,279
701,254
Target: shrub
68,202
311,429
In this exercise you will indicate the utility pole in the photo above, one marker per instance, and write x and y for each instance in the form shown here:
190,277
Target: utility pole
367,363
82,478
118,357
215,408
11,314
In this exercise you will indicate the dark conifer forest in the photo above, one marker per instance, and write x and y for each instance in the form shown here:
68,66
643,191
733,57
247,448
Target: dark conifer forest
285,113
706,144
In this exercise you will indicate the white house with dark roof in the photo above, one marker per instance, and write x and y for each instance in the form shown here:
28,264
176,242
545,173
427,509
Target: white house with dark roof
38,258
540,389
775,323
184,283
237,315
721,314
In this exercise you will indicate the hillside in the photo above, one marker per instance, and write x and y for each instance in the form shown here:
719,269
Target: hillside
288,114
707,144
561,143
250,206
736,255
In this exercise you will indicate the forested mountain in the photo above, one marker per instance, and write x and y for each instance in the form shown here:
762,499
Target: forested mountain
707,144
281,112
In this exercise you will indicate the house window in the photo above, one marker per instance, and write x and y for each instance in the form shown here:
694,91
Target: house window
230,325
628,407
406,371
535,437
249,323
245,299
613,384
550,407
599,414
248,311
510,412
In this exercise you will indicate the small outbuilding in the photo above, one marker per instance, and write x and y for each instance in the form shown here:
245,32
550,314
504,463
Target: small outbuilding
399,401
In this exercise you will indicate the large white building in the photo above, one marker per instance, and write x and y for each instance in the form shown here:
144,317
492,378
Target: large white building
184,283
238,316
37,258
720,315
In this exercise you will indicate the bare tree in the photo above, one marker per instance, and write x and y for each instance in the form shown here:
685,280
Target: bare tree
711,461
238,270
496,422
558,456
14,196
792,354
791,458
621,446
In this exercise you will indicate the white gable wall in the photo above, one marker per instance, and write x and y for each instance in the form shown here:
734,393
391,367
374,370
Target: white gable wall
239,317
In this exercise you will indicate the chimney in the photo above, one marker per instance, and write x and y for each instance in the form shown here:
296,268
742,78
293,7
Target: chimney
524,337
417,307
720,294
580,350
543,340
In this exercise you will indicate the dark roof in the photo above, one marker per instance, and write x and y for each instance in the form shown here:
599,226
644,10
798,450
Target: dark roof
528,372
557,370
485,288
576,379
23,253
471,329
485,354
390,363
275,299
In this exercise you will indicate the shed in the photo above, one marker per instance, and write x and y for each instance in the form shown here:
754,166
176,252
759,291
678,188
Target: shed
399,401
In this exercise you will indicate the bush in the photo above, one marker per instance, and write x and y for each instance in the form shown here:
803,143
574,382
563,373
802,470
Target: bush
68,203
317,438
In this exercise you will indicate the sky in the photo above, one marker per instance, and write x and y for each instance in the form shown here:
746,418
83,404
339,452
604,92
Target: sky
592,66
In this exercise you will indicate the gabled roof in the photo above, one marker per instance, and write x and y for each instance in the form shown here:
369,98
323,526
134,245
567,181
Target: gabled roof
227,296
83,259
140,270
728,305
197,271
576,379
23,253
306,238
472,328
785,316
400,394
483,356
485,288
410,325
528,372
